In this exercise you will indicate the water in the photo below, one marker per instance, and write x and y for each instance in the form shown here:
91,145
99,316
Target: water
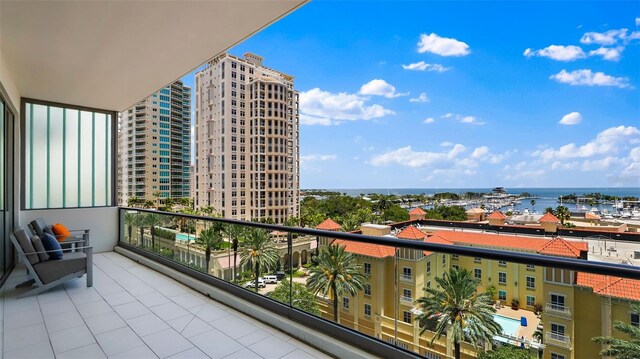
185,237
509,326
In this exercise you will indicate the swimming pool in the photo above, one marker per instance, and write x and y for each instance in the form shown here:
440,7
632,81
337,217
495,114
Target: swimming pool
185,237
509,326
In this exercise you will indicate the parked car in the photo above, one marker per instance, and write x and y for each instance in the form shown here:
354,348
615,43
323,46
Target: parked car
280,275
271,279
252,284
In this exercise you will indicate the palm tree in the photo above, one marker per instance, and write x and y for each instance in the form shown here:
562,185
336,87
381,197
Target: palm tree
130,221
337,271
235,232
563,213
548,210
152,220
208,239
459,310
533,204
621,348
140,222
259,251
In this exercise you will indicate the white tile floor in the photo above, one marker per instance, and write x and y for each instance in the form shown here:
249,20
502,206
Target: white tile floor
133,312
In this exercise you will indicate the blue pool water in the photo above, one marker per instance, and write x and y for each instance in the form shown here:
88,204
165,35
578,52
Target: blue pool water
185,237
509,326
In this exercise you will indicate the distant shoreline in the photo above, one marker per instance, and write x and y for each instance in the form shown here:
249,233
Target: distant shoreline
537,191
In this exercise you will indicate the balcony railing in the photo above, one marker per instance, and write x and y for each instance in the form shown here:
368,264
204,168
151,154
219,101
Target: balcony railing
173,243
558,310
560,340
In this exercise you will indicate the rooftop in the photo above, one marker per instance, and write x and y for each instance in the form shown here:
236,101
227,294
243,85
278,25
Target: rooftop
610,286
329,225
497,215
549,217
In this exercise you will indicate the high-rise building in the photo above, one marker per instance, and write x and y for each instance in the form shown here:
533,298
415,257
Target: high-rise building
247,140
155,146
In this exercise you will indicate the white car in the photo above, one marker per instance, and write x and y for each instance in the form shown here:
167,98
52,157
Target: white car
252,284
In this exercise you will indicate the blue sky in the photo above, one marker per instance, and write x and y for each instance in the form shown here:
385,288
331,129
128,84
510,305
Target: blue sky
453,94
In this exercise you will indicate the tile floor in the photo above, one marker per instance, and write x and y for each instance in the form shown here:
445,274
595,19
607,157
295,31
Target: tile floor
133,312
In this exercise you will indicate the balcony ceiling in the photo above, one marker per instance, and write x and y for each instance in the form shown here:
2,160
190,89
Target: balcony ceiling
111,54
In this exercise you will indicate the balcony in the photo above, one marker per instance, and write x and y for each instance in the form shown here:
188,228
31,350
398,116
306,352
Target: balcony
559,340
558,310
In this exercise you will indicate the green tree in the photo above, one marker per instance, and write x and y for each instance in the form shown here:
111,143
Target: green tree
130,220
235,232
507,352
152,220
209,239
563,214
302,298
337,271
140,222
548,210
452,213
622,348
259,252
533,204
461,312
395,213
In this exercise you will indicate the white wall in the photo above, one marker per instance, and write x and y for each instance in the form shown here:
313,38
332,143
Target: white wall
103,223
8,87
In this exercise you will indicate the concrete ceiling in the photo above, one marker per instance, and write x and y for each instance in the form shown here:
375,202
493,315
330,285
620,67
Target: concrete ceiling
111,54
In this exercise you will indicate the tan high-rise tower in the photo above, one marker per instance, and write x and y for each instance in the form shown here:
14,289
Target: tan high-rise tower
155,146
247,140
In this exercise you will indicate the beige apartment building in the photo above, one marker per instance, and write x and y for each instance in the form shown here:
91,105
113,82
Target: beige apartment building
247,140
155,146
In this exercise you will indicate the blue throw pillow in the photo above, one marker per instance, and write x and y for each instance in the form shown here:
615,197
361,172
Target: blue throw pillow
51,244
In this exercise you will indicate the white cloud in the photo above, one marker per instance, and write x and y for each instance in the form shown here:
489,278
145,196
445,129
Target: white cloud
421,98
446,144
380,87
405,156
480,152
607,142
572,118
463,119
604,38
608,53
423,66
638,21
429,120
442,46
557,52
319,107
316,157
585,77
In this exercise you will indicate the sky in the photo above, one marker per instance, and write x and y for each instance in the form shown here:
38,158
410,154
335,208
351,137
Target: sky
462,94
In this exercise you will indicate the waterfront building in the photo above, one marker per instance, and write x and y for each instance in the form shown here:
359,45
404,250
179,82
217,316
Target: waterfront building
417,214
155,146
247,140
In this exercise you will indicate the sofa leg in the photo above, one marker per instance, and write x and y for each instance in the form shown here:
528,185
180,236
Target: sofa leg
90,268
27,283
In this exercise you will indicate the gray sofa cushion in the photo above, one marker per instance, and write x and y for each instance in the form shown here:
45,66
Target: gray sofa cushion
39,247
27,246
51,270
39,226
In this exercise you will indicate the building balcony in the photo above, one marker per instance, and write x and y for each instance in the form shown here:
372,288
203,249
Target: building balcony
559,340
558,310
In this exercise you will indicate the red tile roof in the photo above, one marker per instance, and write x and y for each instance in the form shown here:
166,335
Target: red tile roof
610,286
329,225
417,210
497,215
589,215
366,249
555,247
411,232
476,211
549,217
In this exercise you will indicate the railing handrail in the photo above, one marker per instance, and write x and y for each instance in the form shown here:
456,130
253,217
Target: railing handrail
604,268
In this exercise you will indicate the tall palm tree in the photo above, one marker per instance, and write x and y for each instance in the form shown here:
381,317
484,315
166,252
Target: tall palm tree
533,204
563,213
153,220
337,271
459,310
140,222
621,348
259,252
209,239
130,221
235,232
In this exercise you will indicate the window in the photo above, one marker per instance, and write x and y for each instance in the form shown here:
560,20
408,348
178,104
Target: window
455,257
531,267
68,157
406,316
406,273
502,294
557,330
367,289
406,295
531,301
444,259
477,260
429,284
477,273
429,267
367,310
531,282
557,302
345,302
367,268
556,356
502,263
502,277
455,266
635,319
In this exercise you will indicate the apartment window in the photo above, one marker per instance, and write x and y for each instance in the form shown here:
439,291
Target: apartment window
557,301
406,273
455,266
477,260
502,277
455,257
429,267
557,330
502,294
635,319
531,282
477,273
428,284
67,155
502,263
531,301
531,267
367,310
367,268
406,295
557,356
345,302
367,289
444,259
406,316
